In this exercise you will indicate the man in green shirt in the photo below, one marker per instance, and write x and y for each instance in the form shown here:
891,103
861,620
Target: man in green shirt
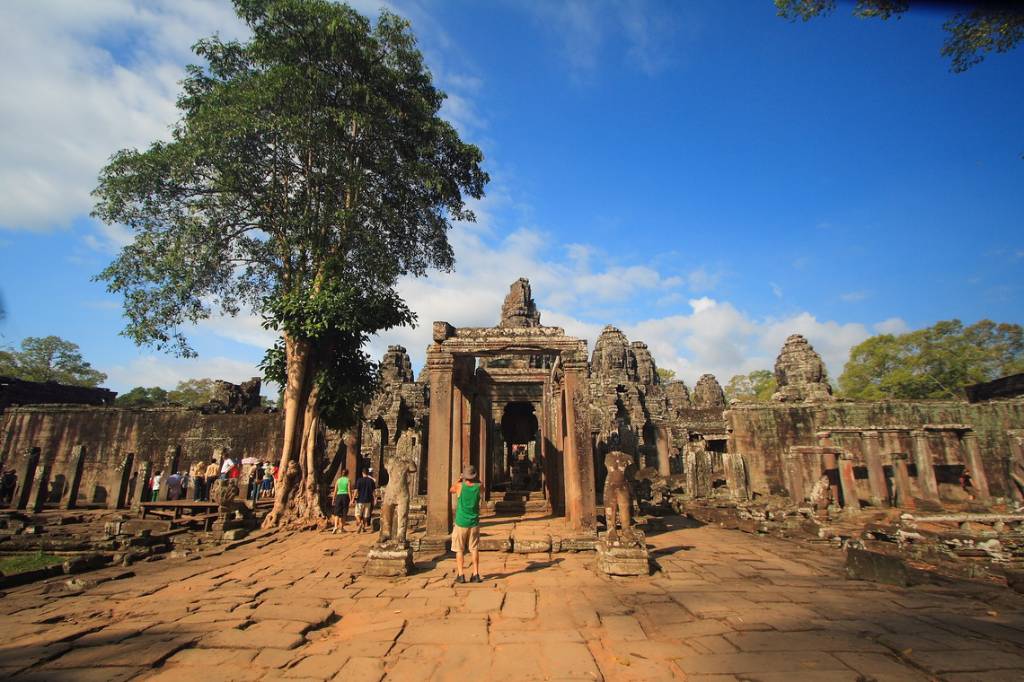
466,533
341,500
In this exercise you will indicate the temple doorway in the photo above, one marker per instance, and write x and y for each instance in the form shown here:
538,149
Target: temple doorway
521,466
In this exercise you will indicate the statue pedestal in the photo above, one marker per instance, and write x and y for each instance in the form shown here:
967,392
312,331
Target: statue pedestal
389,561
625,554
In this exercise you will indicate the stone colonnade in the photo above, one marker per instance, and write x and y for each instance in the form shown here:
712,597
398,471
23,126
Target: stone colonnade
805,466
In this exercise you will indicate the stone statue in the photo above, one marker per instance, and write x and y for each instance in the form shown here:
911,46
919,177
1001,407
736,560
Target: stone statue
618,502
394,512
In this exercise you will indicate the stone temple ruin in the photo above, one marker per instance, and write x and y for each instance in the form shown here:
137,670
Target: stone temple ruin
538,416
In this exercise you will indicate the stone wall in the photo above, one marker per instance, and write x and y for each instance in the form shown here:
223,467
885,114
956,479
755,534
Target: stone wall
762,433
110,433
18,392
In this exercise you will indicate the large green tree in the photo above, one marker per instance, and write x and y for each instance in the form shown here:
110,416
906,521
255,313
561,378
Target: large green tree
192,392
141,396
758,386
309,170
50,358
935,362
974,29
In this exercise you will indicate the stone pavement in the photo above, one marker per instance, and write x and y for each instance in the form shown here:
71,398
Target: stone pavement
724,606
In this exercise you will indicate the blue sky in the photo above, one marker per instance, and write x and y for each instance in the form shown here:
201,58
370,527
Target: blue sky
704,175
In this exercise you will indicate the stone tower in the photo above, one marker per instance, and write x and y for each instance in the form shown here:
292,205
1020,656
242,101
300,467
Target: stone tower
707,392
396,367
800,373
646,371
614,359
519,309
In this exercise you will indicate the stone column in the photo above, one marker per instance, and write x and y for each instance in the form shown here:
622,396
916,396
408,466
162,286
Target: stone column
1016,457
117,493
171,458
40,488
581,495
793,471
926,482
439,367
26,474
972,455
483,428
142,492
735,475
458,402
829,462
662,437
876,473
901,480
70,501
848,482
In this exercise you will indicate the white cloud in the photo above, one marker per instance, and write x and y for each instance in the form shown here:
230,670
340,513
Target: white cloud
776,289
853,296
166,372
80,81
893,325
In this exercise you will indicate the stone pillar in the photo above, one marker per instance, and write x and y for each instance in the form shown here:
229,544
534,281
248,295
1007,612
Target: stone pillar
735,475
117,492
439,367
926,482
829,463
26,474
848,482
972,455
483,428
458,402
171,458
901,481
142,492
793,471
581,495
1014,464
70,501
662,437
876,473
40,488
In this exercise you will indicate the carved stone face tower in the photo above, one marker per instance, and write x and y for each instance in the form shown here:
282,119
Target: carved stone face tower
800,373
708,392
519,309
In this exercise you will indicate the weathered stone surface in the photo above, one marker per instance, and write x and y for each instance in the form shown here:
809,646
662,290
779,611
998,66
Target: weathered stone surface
531,544
519,309
618,558
383,561
229,398
862,564
707,392
800,373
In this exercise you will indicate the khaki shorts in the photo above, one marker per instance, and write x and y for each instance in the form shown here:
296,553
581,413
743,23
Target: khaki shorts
363,510
465,539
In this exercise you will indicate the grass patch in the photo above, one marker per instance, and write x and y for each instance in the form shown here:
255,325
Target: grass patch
22,563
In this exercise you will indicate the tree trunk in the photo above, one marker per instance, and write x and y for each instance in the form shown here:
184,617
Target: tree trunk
300,499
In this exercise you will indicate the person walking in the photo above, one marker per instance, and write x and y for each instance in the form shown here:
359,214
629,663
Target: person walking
364,500
155,485
174,486
466,533
198,476
340,501
212,470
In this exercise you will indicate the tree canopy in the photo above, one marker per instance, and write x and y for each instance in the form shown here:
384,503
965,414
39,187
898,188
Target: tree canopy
141,396
758,386
309,170
935,362
50,358
666,374
979,28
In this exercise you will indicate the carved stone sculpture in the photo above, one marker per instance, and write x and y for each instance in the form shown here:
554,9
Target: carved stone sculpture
394,512
800,373
618,499
707,392
519,309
